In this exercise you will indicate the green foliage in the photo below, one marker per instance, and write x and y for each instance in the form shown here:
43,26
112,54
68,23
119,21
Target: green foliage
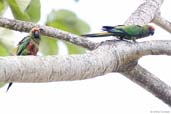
3,50
74,49
2,6
2,84
68,21
33,10
27,10
48,46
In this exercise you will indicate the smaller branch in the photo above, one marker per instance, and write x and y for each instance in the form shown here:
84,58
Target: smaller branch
149,82
163,23
131,52
145,12
23,26
156,47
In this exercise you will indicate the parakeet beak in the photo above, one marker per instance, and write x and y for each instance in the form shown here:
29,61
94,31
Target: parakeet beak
36,34
152,32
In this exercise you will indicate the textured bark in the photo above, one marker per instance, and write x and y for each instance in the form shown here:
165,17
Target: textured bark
163,23
150,83
111,56
58,68
145,12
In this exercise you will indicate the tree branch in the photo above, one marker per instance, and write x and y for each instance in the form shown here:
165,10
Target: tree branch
143,15
145,12
110,56
163,23
129,53
58,68
23,26
151,83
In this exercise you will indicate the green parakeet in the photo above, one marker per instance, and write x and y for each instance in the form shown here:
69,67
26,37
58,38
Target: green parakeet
129,32
29,45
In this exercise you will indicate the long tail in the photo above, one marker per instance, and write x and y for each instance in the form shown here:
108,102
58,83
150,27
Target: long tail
101,34
9,85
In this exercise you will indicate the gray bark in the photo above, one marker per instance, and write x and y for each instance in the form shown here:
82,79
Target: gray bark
111,56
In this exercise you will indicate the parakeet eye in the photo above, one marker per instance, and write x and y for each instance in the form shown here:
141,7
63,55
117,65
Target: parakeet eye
41,29
151,28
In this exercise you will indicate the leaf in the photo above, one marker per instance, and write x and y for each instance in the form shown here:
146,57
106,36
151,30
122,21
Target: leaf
2,6
74,49
48,46
27,10
2,84
6,42
3,50
22,4
17,12
33,10
68,21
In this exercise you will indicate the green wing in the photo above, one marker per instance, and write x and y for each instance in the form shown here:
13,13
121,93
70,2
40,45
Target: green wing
133,30
23,45
116,30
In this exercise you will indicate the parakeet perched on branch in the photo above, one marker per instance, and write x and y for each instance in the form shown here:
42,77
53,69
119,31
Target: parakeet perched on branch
29,45
129,32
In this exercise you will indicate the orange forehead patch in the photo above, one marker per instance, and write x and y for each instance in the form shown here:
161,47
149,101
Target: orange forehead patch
35,29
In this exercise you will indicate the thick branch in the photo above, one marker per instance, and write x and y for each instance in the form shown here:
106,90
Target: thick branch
110,56
145,12
163,23
129,52
151,83
58,68
23,26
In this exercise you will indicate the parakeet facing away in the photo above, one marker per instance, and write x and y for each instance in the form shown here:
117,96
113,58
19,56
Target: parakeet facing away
129,32
29,45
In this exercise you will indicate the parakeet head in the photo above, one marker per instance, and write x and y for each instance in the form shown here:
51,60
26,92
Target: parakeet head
35,32
151,29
